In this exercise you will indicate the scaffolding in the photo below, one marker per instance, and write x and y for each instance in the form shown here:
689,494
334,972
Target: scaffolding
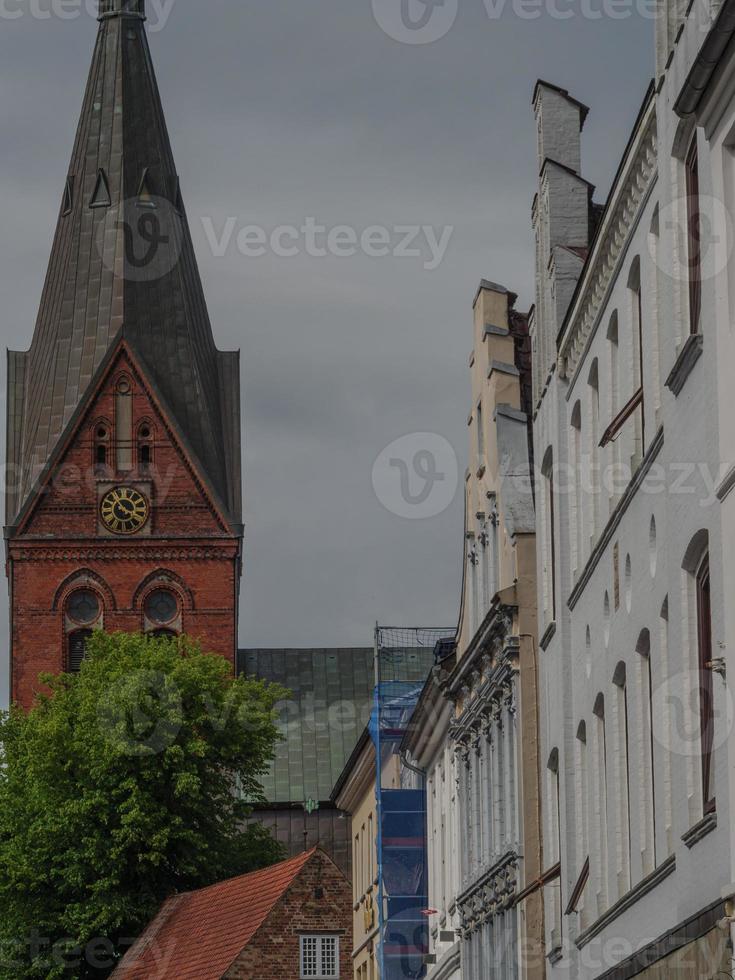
403,659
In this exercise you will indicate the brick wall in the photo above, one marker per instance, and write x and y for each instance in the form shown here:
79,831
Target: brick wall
273,954
61,546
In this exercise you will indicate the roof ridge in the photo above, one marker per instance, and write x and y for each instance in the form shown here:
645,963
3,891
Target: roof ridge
269,871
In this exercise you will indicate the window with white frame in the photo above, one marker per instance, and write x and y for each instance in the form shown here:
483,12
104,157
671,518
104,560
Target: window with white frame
319,957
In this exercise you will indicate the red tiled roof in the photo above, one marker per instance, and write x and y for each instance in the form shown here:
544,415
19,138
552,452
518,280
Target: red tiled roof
198,935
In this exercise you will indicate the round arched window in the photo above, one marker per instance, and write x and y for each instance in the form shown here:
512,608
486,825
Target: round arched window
161,606
83,606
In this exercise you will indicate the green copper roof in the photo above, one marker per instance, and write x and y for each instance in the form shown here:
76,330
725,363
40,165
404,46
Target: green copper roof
332,697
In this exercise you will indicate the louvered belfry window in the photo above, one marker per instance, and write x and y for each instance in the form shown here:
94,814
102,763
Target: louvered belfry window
319,957
77,649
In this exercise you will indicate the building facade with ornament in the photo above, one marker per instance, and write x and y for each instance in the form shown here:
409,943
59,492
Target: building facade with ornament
123,492
473,737
633,438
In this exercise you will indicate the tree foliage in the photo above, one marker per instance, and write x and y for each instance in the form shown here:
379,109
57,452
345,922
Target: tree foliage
123,785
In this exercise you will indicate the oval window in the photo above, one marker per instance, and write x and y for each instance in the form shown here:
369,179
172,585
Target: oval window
161,606
83,606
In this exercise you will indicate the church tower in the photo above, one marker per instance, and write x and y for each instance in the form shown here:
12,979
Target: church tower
123,485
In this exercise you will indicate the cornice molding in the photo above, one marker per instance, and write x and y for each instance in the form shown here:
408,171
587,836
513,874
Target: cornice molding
118,554
625,205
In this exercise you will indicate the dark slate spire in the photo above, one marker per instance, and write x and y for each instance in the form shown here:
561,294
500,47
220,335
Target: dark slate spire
123,264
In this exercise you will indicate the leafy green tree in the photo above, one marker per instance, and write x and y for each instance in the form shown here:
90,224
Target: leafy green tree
124,784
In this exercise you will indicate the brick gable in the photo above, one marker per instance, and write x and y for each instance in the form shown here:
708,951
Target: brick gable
247,927
60,543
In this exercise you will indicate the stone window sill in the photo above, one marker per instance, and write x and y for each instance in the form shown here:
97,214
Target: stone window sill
688,357
548,635
555,954
700,829
629,899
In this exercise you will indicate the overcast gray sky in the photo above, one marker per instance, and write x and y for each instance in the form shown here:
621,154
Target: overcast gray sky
283,111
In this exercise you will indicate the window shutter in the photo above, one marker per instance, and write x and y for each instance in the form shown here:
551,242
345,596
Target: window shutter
77,649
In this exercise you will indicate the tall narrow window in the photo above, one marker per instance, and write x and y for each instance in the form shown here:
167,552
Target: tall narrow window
145,447
552,895
593,382
582,829
633,407
101,444
124,424
600,850
706,706
617,481
665,722
694,257
549,540
370,846
622,779
578,536
646,766
636,315
653,293
480,435
77,649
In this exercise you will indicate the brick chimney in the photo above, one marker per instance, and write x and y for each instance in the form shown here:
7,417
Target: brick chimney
561,219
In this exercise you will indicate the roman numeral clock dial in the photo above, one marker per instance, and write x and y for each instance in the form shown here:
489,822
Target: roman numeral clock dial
124,510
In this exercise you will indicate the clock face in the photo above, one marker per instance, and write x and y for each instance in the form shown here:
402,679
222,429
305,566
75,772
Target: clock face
124,510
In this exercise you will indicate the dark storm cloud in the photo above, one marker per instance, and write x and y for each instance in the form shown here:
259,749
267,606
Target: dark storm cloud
280,111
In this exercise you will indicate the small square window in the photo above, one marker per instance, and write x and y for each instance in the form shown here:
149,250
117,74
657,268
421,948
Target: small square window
319,957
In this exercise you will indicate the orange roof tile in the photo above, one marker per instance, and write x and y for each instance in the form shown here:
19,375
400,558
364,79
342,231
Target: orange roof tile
197,935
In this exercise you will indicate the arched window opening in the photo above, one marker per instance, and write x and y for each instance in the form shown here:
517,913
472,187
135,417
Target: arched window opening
595,477
161,607
83,607
124,424
646,759
706,700
599,800
145,447
622,778
694,260
77,649
101,442
664,730
577,901
549,538
552,896
577,538
698,633
634,407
